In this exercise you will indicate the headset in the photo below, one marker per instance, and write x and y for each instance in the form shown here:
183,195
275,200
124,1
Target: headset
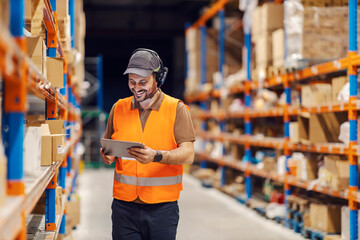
162,72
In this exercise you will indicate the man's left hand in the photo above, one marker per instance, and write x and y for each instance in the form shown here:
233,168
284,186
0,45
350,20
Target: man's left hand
143,155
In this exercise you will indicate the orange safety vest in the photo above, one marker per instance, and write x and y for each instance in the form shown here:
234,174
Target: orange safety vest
152,182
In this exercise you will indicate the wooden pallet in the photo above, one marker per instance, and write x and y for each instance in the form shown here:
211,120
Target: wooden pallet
317,235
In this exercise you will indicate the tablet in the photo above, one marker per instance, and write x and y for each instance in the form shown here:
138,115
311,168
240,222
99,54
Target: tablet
118,148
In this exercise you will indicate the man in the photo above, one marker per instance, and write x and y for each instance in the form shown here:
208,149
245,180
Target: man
146,188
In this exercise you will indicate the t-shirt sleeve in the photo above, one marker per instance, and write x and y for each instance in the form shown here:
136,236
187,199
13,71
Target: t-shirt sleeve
110,127
183,129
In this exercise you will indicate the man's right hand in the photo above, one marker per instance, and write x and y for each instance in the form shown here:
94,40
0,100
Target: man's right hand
107,159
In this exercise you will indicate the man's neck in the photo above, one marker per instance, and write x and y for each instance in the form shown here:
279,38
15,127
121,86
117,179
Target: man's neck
148,102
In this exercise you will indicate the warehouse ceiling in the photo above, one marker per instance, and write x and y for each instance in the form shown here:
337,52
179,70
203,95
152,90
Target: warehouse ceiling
115,28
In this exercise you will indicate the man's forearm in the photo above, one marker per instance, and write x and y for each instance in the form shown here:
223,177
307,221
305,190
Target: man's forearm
179,156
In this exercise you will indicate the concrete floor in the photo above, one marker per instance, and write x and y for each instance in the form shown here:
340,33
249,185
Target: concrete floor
204,213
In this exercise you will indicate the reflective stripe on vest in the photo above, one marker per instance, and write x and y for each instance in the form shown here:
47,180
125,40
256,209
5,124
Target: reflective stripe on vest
130,159
148,182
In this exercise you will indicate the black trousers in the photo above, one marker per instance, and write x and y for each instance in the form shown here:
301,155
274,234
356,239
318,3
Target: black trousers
134,221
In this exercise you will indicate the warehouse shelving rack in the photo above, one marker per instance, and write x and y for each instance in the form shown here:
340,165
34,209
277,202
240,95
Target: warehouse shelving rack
20,76
352,150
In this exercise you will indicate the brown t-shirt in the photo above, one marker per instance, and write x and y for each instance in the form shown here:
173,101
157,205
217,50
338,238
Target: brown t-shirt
183,127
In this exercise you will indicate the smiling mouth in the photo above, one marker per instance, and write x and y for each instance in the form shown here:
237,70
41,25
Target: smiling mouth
139,94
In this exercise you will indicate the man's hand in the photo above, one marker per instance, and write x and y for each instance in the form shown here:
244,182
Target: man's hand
143,155
107,158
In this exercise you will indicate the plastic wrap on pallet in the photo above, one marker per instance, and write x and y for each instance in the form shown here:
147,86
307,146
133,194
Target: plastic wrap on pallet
293,24
314,34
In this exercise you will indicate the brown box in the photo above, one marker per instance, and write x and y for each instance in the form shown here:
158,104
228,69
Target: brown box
272,17
56,126
315,94
73,209
192,39
269,164
55,71
278,47
337,84
4,12
255,23
58,147
36,50
303,121
294,132
326,218
263,50
46,146
338,172
324,128
306,169
62,8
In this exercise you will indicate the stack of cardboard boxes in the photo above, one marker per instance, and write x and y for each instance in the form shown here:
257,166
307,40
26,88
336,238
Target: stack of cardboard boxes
264,21
316,34
194,60
63,21
34,16
325,218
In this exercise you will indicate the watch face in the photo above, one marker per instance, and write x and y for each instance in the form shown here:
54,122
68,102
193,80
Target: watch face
158,156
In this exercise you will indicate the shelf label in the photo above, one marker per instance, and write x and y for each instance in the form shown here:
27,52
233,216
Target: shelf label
318,108
314,70
341,107
341,150
358,152
330,108
278,79
337,64
330,149
318,148
358,105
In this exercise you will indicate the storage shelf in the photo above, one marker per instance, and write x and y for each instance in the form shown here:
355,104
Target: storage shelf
279,111
280,143
316,70
10,214
37,84
251,169
49,22
10,218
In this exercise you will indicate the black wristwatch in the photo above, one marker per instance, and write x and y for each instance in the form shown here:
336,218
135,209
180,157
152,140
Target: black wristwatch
158,157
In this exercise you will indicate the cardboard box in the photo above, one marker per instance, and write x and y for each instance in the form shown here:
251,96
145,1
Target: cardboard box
306,169
326,218
294,132
58,147
263,49
271,17
278,47
337,84
56,126
255,23
325,128
303,121
337,168
315,94
62,8
4,12
36,50
73,209
55,71
269,164
192,39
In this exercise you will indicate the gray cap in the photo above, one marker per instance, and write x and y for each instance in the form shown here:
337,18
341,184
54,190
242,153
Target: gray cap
143,63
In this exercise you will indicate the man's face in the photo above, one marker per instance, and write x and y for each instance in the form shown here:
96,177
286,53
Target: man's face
141,87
